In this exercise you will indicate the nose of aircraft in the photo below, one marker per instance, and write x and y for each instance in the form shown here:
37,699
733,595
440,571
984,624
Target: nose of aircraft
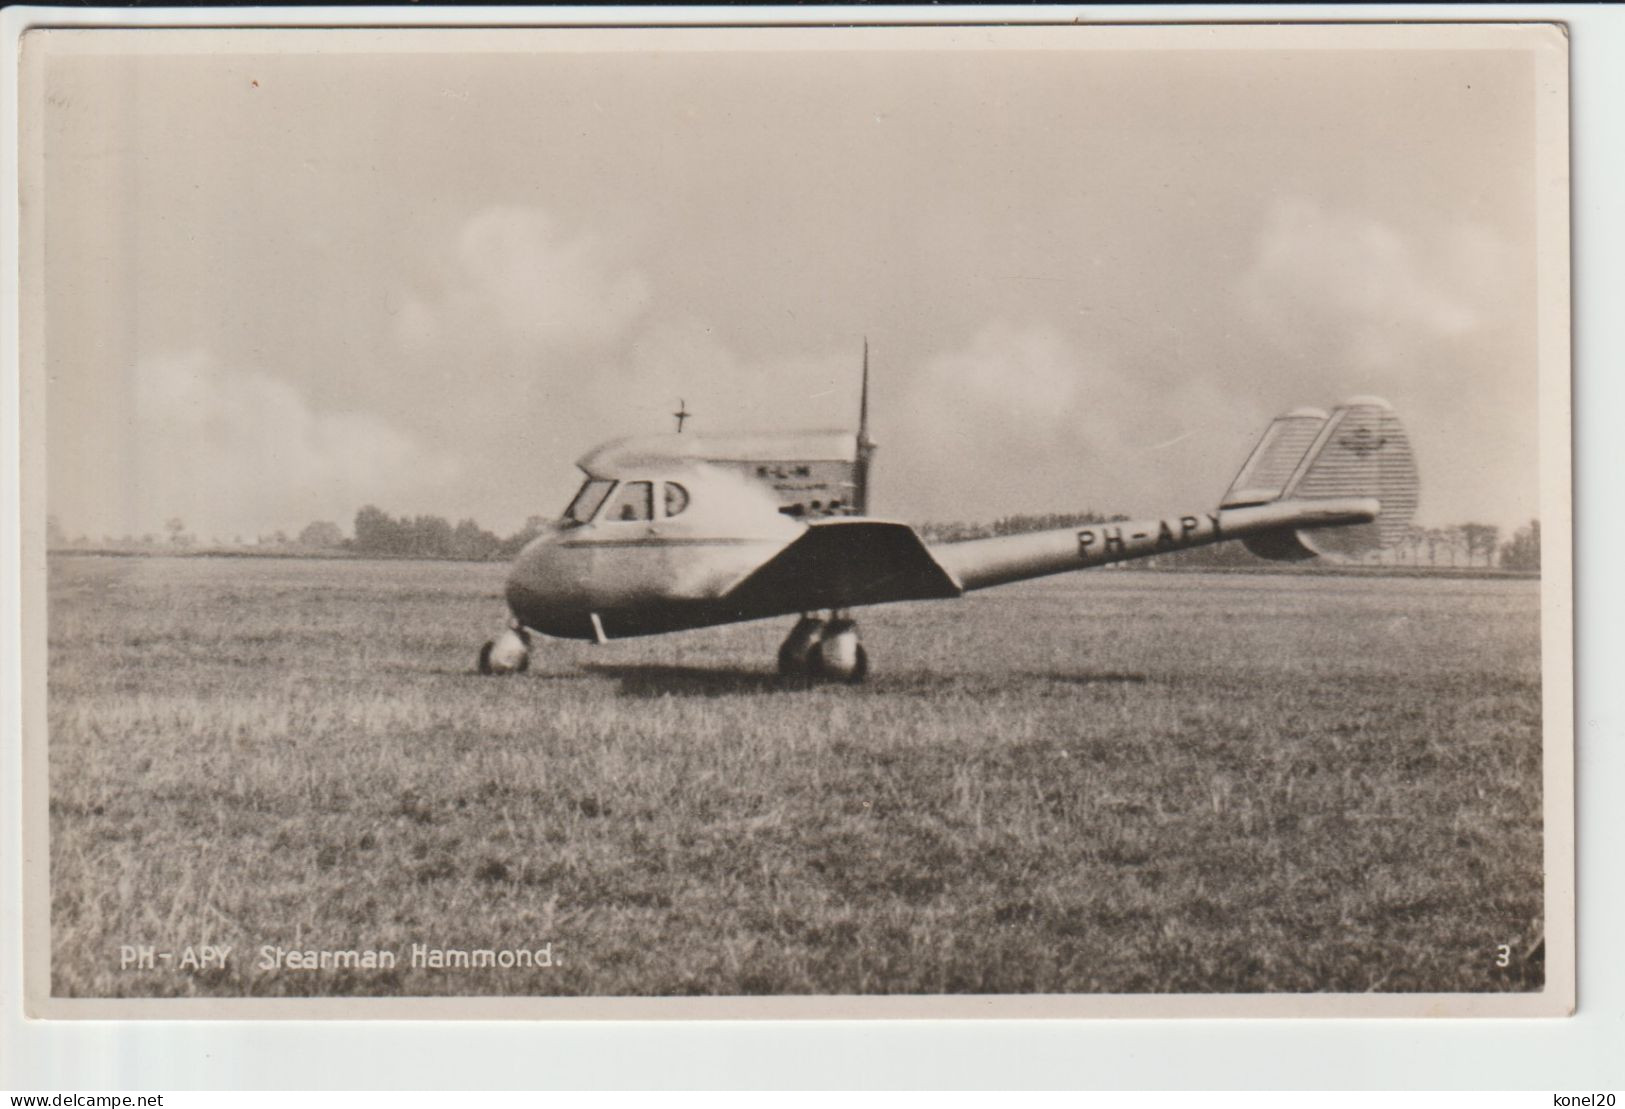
540,588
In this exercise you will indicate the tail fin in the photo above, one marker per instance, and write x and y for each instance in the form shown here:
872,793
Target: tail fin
1359,450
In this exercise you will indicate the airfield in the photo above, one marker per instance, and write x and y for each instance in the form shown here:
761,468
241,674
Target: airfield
1116,781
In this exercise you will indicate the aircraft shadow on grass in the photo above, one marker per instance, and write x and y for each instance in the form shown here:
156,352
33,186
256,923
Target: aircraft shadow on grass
661,679
1094,677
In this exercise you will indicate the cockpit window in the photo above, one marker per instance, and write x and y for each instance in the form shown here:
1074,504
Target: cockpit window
634,501
588,500
676,499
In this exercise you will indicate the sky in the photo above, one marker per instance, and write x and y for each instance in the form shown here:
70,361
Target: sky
281,283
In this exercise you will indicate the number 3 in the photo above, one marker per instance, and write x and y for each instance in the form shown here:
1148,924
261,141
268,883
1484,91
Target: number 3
1503,954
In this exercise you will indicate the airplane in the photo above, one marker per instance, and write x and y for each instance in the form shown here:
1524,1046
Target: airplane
677,531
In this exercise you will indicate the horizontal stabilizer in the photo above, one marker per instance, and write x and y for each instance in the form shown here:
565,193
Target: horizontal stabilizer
841,563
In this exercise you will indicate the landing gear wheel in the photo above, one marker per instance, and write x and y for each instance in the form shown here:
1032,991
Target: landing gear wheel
509,653
796,653
838,655
859,672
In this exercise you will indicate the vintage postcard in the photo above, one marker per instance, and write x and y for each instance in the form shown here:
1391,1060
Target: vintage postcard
882,521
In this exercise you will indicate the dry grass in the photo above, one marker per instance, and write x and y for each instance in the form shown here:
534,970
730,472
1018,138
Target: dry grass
1108,782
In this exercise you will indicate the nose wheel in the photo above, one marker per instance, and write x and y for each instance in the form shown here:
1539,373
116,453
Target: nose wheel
508,653
824,650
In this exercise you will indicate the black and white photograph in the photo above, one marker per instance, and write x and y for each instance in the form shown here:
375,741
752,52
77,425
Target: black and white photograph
797,521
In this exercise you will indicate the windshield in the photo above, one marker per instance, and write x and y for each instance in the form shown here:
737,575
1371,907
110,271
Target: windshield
588,501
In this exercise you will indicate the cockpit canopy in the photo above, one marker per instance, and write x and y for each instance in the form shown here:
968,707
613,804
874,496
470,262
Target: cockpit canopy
808,474
625,501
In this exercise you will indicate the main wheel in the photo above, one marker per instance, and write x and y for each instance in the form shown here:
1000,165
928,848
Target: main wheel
509,653
839,656
796,652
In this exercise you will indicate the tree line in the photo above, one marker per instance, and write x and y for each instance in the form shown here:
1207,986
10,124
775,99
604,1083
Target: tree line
379,533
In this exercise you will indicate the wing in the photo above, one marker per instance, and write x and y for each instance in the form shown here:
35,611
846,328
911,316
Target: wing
843,563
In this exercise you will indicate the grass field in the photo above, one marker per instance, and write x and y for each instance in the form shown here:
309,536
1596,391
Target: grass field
1110,781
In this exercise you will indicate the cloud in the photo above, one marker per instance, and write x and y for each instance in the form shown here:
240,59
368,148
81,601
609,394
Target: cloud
980,420
1343,286
1032,377
1439,319
726,391
516,279
1021,418
239,452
